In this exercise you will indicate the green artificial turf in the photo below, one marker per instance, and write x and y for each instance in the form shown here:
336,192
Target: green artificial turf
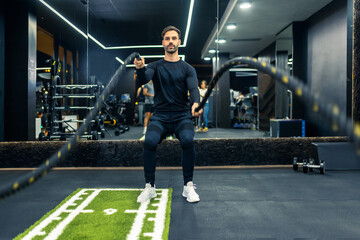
98,225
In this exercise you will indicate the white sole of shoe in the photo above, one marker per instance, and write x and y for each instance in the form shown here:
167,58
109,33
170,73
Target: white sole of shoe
152,196
187,199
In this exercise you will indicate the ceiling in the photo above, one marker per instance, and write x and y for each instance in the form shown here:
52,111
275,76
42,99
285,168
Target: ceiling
257,27
140,22
116,23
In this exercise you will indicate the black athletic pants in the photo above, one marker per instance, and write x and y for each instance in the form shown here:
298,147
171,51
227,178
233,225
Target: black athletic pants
161,124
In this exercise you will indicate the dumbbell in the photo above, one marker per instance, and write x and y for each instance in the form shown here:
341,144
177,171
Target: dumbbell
311,166
296,164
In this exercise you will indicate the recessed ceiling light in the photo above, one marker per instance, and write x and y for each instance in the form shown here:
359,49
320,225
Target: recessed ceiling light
221,40
212,51
245,4
207,58
231,26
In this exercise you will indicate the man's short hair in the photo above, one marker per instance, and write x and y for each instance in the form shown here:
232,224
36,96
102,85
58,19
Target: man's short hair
170,28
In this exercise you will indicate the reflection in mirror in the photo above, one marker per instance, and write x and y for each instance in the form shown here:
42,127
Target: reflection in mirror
283,55
61,64
234,98
119,28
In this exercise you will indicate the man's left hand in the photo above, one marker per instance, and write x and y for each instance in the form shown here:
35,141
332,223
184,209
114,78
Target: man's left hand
195,114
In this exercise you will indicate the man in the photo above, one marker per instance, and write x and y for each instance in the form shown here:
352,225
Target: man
172,79
149,103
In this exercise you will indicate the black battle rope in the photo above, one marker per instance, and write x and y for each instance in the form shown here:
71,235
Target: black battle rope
332,115
43,169
339,122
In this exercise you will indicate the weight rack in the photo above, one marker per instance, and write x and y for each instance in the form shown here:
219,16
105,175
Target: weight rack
56,97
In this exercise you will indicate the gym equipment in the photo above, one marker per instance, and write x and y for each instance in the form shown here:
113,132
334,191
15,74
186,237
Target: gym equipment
113,114
54,98
311,166
296,164
308,165
42,170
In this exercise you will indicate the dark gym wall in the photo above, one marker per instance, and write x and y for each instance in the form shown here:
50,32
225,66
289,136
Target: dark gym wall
299,64
281,100
2,68
102,64
327,55
221,104
356,65
349,62
20,71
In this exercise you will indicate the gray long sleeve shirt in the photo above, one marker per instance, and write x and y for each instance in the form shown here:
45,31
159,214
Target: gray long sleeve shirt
171,80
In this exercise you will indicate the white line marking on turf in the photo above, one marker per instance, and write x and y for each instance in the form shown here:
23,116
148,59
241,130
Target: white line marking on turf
56,232
159,220
138,222
55,215
110,211
136,211
160,217
87,211
150,235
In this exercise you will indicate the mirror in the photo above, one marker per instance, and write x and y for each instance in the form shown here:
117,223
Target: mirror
119,28
90,39
284,61
61,50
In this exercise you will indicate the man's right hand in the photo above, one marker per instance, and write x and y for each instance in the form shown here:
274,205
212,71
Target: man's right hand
139,64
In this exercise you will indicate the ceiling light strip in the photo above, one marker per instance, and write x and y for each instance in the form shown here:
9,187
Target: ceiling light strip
122,47
119,60
138,46
188,25
191,8
63,18
96,41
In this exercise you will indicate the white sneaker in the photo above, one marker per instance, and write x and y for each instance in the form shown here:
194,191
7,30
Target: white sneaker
144,131
147,194
189,193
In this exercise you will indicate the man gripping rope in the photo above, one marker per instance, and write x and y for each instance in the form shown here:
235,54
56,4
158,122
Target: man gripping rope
172,79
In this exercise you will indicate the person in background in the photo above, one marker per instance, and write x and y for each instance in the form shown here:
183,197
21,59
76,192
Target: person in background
141,101
149,103
203,120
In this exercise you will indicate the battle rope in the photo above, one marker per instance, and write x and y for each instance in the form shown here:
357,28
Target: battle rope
44,168
339,123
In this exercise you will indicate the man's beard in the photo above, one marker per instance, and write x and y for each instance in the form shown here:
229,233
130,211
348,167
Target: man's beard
173,50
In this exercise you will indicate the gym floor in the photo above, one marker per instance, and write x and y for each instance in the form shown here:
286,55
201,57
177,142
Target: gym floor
257,203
